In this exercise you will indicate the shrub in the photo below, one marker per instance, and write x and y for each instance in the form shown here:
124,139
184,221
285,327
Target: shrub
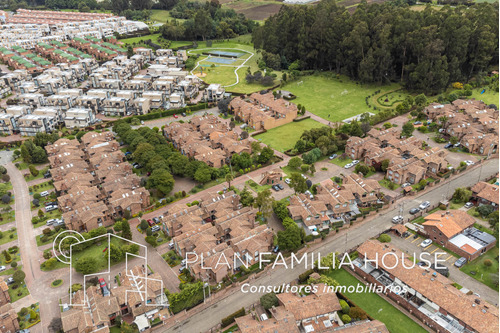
384,238
305,276
346,319
269,300
230,319
345,307
357,313
488,263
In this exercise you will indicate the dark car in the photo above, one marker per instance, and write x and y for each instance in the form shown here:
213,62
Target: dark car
276,188
104,287
280,186
151,223
47,174
414,211
448,145
156,220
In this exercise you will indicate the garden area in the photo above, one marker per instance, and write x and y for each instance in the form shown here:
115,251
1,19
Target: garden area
10,258
386,183
172,258
18,291
341,162
336,98
256,187
284,137
484,269
8,235
376,307
39,218
29,316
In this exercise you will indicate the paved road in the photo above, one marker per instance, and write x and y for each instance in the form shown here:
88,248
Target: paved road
344,241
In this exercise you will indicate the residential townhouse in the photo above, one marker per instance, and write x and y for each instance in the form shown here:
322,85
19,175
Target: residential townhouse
263,110
428,295
8,319
4,294
484,193
79,118
213,93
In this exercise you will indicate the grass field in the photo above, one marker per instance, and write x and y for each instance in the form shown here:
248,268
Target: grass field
377,307
336,99
225,74
284,137
484,274
162,16
489,96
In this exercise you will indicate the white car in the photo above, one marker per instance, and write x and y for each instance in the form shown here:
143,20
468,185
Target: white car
405,185
355,162
397,219
44,193
303,176
51,221
287,180
469,205
469,163
426,243
348,165
424,205
2,268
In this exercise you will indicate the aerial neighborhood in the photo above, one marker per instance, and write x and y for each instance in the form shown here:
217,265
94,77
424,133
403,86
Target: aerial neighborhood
297,166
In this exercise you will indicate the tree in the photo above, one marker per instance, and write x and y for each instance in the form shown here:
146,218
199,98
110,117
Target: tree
295,162
144,225
203,175
55,325
384,238
453,140
364,169
18,276
128,328
384,165
487,262
265,155
130,53
161,180
33,170
408,129
264,202
300,146
6,198
358,313
485,210
280,208
246,198
304,168
50,263
86,265
346,319
13,264
345,307
5,178
461,194
269,300
33,315
312,169
115,253
291,238
223,105
421,100
151,240
229,179
298,183
356,129
126,233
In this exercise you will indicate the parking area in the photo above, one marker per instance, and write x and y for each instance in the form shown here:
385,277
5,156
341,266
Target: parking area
412,244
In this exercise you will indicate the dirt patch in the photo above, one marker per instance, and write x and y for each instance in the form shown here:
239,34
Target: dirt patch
259,12
183,184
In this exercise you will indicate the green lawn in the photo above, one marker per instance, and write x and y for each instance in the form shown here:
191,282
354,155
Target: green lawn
336,99
22,165
387,184
341,163
17,294
45,186
377,307
256,187
96,251
8,236
7,217
284,137
162,16
172,258
40,175
484,274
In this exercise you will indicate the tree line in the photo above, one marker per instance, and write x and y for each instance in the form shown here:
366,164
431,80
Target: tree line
426,50
205,21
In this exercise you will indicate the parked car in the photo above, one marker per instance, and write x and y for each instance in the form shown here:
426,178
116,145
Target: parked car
469,205
10,280
333,156
156,220
47,174
424,205
142,122
414,211
276,188
405,185
155,228
104,287
51,221
348,165
44,193
469,163
426,243
456,145
280,186
417,123
276,249
460,262
2,268
448,145
50,208
151,223
355,162
51,203
287,180
184,114
171,245
397,219
176,116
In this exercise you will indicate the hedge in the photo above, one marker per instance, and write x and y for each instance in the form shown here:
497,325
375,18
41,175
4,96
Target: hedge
167,113
230,319
305,276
